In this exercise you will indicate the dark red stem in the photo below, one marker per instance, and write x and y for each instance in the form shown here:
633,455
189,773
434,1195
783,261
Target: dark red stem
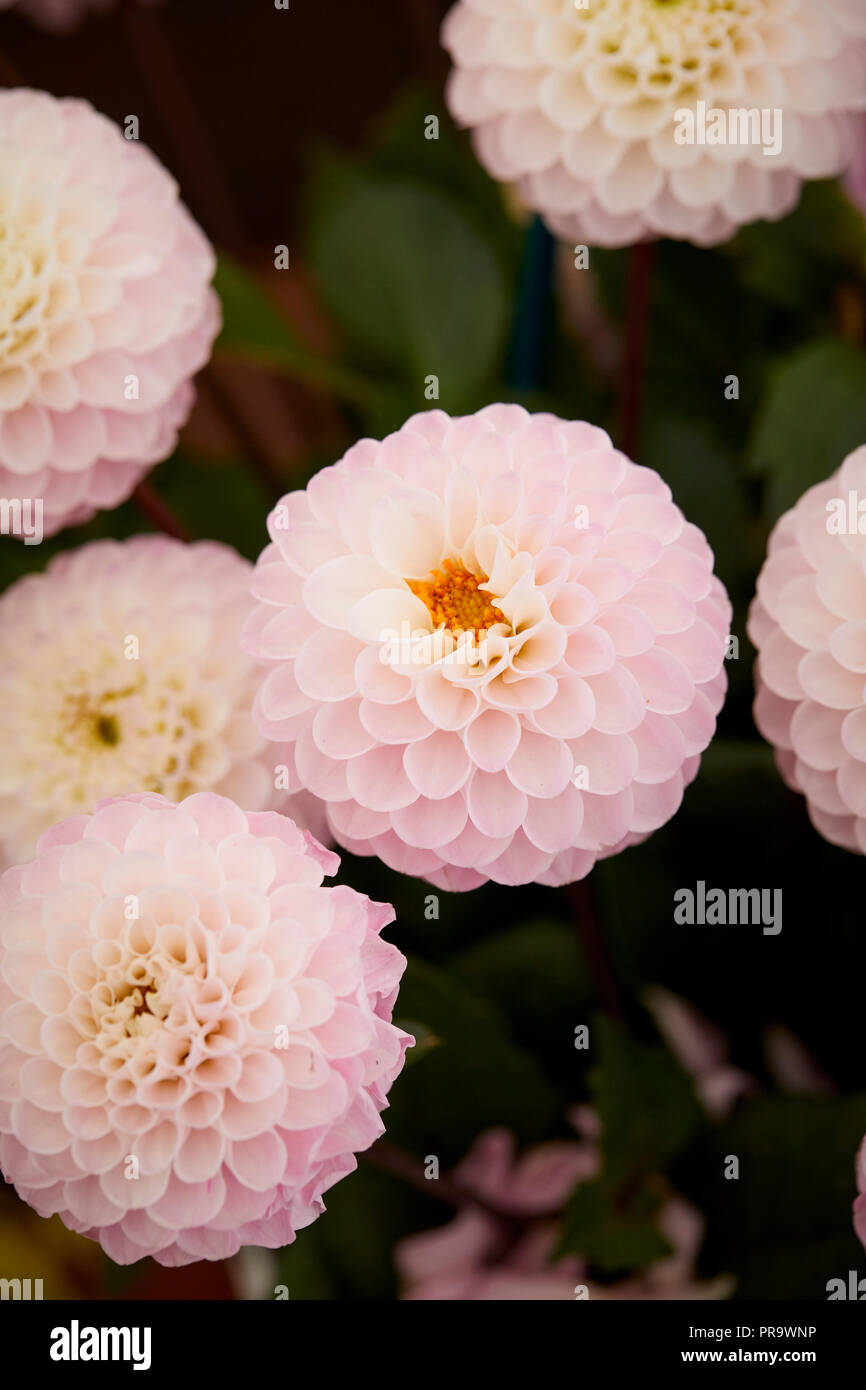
636,334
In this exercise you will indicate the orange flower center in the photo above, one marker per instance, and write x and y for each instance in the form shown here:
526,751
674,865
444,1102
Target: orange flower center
454,597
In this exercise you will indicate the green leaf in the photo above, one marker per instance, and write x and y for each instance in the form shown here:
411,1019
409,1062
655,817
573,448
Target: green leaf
476,1079
797,262
613,1236
649,1114
784,1225
448,164
814,414
700,470
646,1104
255,331
409,278
217,501
536,974
348,1251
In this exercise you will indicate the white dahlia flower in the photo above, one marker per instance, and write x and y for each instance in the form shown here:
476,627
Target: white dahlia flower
597,111
120,672
496,647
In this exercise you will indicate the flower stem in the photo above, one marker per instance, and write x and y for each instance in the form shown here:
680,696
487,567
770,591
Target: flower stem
309,369
532,317
9,74
594,949
151,505
636,334
408,1169
428,22
227,401
183,124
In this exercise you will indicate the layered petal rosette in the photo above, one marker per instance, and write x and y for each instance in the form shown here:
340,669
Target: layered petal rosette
496,647
619,120
195,1033
808,623
120,672
106,310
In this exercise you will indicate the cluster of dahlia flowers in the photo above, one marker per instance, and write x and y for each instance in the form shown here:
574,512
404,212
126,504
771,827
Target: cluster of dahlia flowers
587,107
493,649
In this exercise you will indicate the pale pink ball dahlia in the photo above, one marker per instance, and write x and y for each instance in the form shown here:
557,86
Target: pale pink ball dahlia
808,623
496,647
579,105
106,309
121,672
195,1034
477,1257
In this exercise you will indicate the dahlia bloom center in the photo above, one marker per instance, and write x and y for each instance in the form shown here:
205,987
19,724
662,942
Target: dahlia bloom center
152,725
650,49
158,1006
32,290
455,597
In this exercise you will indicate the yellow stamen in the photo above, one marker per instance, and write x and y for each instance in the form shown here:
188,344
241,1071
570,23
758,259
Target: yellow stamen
454,597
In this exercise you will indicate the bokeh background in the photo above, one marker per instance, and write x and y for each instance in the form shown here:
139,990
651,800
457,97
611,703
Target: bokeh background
306,129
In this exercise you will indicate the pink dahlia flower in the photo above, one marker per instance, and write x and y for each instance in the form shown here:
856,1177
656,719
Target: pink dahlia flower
195,1034
120,672
107,310
496,647
474,1258
619,119
808,623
